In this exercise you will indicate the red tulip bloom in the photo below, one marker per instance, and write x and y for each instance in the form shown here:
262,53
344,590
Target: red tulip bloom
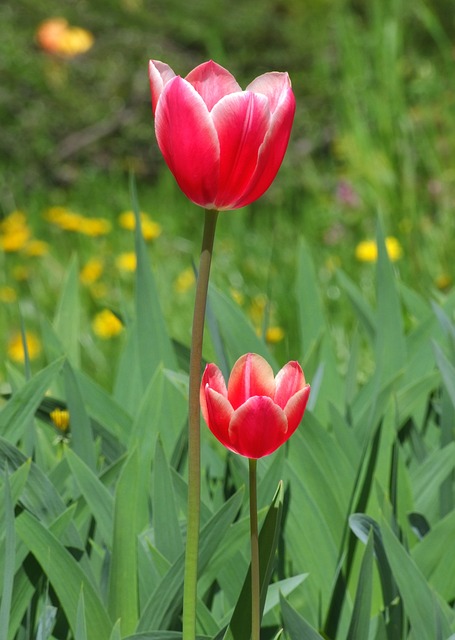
223,145
257,412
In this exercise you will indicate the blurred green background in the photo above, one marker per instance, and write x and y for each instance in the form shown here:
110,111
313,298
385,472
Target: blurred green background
374,135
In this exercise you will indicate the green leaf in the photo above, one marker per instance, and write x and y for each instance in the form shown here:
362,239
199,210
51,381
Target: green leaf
427,477
21,407
363,311
168,538
427,617
390,347
153,341
10,554
81,624
98,498
295,626
240,625
447,371
67,317
237,333
166,601
65,575
123,577
82,439
359,626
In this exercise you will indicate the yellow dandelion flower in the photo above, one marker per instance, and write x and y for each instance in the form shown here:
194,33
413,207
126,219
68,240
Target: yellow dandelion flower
91,271
36,248
64,218
150,229
15,239
14,220
185,280
94,227
274,335
367,250
126,261
7,294
106,324
60,418
15,346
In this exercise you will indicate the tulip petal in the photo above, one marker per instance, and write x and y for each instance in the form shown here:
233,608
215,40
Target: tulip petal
251,375
212,377
159,74
295,408
212,82
288,381
274,85
188,141
242,121
257,428
219,413
273,148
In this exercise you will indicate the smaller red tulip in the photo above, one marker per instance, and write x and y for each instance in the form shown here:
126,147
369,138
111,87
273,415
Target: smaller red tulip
257,412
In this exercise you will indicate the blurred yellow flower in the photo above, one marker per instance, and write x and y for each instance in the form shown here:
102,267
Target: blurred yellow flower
367,250
91,271
7,294
274,335
15,346
185,280
126,261
237,296
443,281
14,232
94,226
106,324
36,248
150,229
60,418
257,308
21,273
71,221
55,35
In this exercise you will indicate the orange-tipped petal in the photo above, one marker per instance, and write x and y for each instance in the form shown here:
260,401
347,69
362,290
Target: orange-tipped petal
257,428
288,381
251,376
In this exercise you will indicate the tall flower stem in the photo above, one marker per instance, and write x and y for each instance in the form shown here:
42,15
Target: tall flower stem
194,437
255,583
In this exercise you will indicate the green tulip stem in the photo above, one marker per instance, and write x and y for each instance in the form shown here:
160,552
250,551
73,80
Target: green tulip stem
194,435
255,583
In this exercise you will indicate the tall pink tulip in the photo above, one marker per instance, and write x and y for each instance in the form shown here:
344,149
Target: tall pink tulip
223,145
257,412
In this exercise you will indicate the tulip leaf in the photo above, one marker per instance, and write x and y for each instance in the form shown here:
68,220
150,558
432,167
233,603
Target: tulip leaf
296,627
123,592
7,523
427,614
21,407
359,626
166,600
65,575
67,316
238,335
153,341
240,625
168,538
82,440
98,498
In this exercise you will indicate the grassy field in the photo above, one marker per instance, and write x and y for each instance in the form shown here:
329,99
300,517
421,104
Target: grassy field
371,156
